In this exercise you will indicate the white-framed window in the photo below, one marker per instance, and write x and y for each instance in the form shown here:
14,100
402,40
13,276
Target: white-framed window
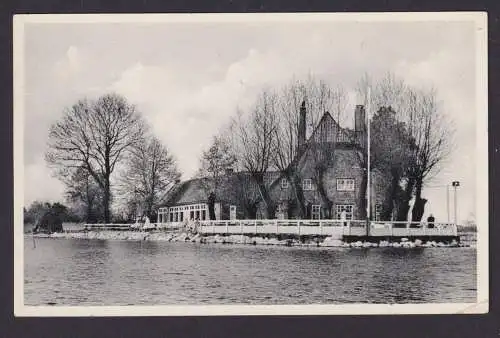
378,212
345,184
315,211
284,183
307,184
348,208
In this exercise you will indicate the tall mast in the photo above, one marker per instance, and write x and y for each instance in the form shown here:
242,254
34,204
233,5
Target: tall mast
368,182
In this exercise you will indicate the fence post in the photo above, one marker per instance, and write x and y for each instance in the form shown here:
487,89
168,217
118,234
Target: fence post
241,227
213,227
320,228
277,227
227,225
298,227
255,225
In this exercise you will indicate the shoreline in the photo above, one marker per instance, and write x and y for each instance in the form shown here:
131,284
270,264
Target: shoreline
162,236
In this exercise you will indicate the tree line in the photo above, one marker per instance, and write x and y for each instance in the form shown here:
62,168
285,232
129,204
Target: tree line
411,138
103,150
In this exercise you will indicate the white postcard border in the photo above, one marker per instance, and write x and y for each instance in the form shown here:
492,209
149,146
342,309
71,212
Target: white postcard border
482,198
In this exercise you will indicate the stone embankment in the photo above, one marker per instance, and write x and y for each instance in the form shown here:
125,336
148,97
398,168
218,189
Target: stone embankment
242,239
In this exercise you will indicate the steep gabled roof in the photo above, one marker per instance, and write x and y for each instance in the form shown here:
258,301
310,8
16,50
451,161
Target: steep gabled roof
342,136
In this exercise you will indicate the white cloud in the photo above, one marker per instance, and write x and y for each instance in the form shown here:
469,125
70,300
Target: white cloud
69,66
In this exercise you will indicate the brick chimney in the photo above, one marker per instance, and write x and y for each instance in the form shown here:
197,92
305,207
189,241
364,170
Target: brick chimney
360,124
359,118
302,126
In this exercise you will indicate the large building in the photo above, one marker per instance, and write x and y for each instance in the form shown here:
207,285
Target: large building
329,175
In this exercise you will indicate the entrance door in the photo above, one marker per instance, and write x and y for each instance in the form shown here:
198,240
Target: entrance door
232,212
316,211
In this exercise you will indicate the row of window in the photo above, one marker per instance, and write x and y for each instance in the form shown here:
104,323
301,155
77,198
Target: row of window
178,216
185,207
339,210
179,213
199,212
343,184
316,211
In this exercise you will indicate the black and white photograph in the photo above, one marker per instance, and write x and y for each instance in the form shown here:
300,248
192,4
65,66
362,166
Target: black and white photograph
206,164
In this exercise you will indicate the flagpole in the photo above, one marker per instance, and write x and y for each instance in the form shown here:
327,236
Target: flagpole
368,182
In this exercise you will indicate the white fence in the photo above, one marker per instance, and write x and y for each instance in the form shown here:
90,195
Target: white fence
333,228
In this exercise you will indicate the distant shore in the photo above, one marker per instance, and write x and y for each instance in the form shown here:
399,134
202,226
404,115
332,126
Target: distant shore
237,239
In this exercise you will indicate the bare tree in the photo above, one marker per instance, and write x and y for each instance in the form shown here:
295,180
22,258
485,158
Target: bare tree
215,162
84,193
392,153
151,170
432,135
246,194
287,147
254,140
319,96
95,135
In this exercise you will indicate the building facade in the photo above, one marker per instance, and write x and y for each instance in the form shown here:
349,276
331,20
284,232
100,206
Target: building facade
329,174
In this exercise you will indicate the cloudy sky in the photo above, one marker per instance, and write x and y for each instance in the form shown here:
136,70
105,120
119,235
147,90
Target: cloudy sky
187,78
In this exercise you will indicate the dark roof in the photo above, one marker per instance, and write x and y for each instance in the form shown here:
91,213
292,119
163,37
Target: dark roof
188,192
196,190
343,135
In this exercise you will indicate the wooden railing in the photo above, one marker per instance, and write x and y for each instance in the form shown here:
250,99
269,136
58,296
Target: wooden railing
320,227
334,228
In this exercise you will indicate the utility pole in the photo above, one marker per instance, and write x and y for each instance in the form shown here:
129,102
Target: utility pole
448,202
368,181
455,184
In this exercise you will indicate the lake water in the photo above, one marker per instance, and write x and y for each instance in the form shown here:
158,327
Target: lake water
93,272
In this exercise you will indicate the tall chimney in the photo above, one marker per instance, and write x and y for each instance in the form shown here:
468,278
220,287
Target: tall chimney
359,118
302,126
360,124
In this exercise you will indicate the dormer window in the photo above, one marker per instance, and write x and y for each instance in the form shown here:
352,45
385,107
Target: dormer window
284,183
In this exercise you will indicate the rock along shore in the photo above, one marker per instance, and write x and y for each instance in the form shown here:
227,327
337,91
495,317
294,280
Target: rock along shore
239,239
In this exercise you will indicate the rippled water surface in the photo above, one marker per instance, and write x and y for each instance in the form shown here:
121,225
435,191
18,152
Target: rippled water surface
93,272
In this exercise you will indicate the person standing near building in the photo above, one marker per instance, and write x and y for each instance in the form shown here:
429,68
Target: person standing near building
430,221
343,217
